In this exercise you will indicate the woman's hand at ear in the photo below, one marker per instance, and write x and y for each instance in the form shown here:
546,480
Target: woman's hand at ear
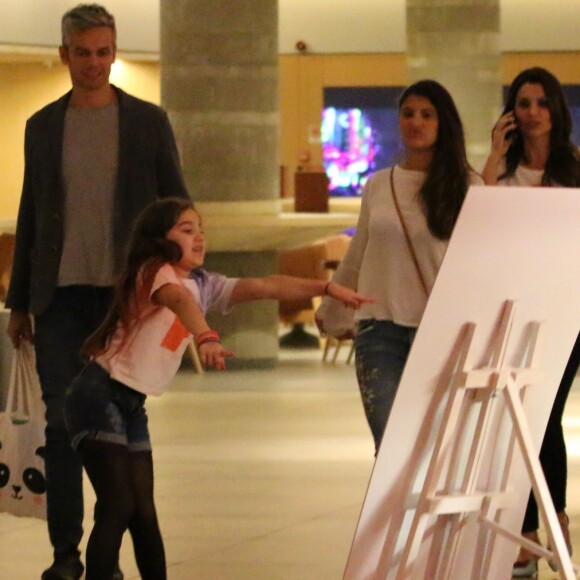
502,134
501,140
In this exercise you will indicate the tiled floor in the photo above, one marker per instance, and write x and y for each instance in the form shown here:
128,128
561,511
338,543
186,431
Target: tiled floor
259,475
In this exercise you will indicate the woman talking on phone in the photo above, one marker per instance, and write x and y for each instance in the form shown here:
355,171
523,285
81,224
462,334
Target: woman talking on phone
531,146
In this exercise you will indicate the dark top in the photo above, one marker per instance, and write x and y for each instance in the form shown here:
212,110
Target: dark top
148,169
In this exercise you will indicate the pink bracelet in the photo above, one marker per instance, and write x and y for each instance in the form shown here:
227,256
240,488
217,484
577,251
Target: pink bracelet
207,336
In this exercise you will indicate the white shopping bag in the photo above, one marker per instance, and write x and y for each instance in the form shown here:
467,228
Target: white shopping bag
22,475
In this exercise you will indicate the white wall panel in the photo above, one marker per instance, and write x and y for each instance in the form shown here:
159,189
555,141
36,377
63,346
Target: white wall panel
540,25
327,26
343,26
37,22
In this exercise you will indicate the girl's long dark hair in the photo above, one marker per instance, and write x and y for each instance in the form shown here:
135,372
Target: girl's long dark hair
447,180
148,250
563,164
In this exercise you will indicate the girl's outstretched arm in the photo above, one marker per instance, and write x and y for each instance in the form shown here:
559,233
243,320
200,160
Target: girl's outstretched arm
279,287
182,302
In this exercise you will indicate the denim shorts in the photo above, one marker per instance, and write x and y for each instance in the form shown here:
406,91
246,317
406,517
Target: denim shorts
104,409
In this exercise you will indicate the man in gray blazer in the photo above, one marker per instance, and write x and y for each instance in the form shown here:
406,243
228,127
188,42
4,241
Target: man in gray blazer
93,160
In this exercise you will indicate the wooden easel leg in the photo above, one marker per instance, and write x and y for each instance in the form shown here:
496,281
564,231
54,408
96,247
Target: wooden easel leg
195,357
350,353
457,505
337,350
539,486
443,445
327,343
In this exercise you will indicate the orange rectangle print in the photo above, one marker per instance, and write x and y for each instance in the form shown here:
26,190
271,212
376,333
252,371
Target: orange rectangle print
175,335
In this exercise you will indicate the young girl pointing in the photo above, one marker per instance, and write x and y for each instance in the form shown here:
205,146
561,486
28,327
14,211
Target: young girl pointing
159,303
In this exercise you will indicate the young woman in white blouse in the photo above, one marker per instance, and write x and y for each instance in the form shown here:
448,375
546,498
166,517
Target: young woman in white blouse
407,215
531,146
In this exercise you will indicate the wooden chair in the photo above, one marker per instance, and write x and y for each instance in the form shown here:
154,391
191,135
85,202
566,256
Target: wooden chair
309,262
337,345
336,250
304,262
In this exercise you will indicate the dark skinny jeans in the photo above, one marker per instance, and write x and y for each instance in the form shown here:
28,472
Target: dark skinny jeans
553,452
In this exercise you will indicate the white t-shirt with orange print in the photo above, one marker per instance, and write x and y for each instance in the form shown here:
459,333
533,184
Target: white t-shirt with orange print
151,354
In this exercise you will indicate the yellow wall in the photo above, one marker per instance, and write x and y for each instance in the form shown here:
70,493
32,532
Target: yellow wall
302,79
565,65
25,87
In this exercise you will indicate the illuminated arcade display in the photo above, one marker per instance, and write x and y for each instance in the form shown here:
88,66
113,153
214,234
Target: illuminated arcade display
360,135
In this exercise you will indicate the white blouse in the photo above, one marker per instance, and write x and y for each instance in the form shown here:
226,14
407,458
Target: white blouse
523,177
378,263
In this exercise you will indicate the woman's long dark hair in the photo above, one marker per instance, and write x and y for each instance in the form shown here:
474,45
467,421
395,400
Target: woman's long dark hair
148,250
447,180
563,164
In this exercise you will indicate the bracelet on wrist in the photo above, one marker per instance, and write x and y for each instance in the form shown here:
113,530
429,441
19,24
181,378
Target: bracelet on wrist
207,336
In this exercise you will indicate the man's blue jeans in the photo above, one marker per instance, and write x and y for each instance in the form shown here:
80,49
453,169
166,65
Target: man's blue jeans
74,313
381,351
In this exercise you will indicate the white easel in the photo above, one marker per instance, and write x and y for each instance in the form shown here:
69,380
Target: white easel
509,242
441,498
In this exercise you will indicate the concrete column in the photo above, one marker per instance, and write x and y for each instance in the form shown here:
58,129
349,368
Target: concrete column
458,44
219,84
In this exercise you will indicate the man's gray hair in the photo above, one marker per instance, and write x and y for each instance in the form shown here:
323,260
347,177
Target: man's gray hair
85,16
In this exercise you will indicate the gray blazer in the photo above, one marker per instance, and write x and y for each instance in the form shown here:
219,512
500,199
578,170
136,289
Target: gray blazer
148,169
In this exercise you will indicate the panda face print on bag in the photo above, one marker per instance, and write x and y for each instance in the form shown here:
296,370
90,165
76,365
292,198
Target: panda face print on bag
25,484
22,440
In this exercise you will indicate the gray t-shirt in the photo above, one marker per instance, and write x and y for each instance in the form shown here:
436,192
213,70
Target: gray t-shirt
90,163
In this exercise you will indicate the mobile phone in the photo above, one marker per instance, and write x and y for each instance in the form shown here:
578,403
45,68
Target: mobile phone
510,134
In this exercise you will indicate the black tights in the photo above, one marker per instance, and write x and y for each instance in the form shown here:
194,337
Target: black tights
123,483
553,451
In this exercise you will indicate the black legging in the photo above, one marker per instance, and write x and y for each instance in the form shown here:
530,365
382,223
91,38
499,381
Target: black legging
553,452
123,483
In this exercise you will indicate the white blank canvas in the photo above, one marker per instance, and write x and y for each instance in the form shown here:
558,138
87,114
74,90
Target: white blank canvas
517,244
